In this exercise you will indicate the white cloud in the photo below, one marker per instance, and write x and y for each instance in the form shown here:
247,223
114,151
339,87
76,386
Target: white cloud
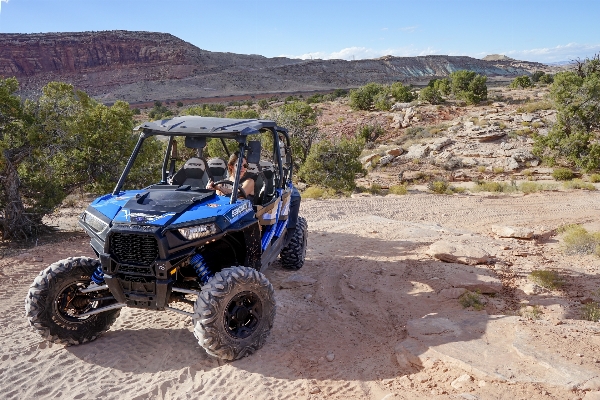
360,53
571,51
408,28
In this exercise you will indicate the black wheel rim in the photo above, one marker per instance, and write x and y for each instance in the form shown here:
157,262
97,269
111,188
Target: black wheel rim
70,303
243,314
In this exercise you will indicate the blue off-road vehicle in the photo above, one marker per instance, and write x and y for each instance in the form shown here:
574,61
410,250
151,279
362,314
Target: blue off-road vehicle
176,242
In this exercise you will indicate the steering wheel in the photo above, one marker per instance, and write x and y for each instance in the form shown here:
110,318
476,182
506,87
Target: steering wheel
241,192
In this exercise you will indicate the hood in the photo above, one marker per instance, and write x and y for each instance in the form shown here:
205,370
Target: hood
168,207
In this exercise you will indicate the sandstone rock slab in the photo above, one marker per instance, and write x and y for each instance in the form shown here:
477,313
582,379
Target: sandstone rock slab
512,232
490,347
458,253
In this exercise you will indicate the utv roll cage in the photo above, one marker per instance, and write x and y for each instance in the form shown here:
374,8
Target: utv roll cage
197,129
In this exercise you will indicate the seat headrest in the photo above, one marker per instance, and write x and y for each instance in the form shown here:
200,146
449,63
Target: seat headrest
266,165
252,168
217,162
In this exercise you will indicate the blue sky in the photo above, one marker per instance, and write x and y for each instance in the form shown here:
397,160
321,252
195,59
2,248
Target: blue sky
533,30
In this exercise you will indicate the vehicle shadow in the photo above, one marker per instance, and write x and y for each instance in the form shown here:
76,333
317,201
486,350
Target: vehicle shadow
367,294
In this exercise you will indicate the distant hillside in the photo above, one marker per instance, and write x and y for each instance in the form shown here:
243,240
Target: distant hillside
146,66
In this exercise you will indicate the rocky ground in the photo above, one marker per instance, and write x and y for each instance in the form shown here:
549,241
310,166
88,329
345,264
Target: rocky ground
375,313
491,141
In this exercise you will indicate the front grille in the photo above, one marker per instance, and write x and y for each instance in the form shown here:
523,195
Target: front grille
134,249
132,270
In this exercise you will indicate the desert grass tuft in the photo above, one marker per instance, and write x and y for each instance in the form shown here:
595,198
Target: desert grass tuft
579,184
546,278
533,187
531,312
591,311
471,299
577,240
398,189
498,187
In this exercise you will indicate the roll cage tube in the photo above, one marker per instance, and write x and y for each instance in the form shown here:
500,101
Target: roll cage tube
130,162
165,164
240,161
288,146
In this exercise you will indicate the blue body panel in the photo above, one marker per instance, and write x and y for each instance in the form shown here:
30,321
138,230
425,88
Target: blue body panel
216,206
110,205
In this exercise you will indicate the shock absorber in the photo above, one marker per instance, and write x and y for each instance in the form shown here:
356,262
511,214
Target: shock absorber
98,276
202,270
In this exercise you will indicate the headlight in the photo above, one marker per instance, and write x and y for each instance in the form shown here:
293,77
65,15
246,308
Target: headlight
94,222
198,231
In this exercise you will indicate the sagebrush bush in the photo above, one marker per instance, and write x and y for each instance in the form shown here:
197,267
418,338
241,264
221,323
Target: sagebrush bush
590,311
533,187
439,186
398,189
579,184
577,240
500,187
546,278
316,192
595,178
563,174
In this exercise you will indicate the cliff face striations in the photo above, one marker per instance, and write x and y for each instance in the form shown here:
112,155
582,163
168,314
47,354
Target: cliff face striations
144,66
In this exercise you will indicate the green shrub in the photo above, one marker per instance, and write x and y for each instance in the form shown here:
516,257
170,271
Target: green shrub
500,187
533,187
382,102
375,188
547,79
136,111
179,104
369,133
537,75
439,186
578,184
333,165
398,189
546,278
443,86
562,174
401,93
363,97
313,192
595,178
575,136
498,170
533,106
521,82
263,104
590,311
577,240
468,86
471,299
431,95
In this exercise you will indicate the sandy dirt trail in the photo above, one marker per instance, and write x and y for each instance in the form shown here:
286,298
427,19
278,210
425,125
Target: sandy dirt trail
334,338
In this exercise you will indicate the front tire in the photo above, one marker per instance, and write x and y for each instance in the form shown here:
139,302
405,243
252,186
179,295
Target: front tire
293,254
53,303
234,313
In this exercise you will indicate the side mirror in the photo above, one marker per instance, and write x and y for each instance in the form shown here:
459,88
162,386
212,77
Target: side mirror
253,155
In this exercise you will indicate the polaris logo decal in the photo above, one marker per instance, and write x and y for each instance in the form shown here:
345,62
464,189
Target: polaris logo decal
141,218
238,212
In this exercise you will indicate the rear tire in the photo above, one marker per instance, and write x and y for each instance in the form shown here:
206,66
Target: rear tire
234,313
293,254
54,300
